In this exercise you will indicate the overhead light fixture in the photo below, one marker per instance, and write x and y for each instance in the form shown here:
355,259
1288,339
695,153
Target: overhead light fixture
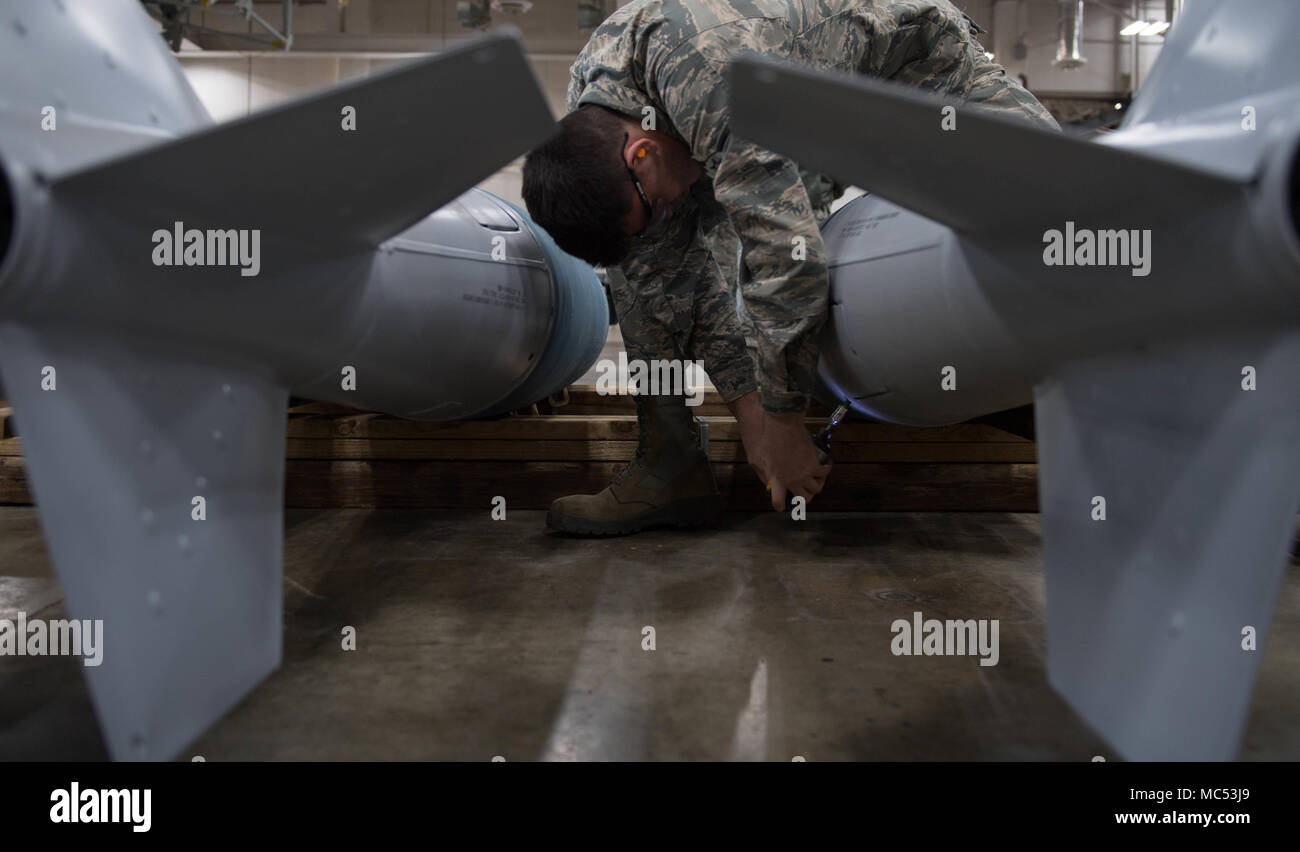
1134,28
512,7
1119,106
1155,29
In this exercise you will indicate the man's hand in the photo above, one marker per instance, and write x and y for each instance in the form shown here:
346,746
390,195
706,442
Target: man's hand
787,454
780,450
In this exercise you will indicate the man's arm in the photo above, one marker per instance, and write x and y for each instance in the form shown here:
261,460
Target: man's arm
784,281
785,289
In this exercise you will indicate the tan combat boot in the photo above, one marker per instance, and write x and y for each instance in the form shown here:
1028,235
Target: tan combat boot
668,483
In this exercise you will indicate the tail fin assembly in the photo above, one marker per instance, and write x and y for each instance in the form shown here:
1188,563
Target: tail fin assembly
1150,603
158,463
990,179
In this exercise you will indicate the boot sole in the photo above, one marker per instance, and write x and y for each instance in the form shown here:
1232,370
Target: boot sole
694,513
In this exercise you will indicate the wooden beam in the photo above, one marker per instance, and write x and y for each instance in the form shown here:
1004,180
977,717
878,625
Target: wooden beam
13,483
589,427
341,456
893,486
603,450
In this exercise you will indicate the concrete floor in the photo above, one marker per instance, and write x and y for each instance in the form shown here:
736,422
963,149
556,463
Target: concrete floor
479,638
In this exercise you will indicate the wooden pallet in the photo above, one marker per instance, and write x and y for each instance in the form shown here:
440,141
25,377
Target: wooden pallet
340,456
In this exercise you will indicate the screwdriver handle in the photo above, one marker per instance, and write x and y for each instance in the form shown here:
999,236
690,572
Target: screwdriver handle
822,441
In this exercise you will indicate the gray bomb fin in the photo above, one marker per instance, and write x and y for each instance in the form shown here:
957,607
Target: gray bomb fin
100,70
1148,610
991,178
1224,67
410,153
116,454
1221,52
1201,482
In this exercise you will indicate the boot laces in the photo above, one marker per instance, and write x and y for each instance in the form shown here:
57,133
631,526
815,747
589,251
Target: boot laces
642,447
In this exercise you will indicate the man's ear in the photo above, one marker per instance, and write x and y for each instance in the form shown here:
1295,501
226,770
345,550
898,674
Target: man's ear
639,149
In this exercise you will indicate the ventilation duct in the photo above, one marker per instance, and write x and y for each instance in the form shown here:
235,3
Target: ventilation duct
1069,45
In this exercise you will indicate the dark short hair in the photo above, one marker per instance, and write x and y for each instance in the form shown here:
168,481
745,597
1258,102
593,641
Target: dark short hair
573,186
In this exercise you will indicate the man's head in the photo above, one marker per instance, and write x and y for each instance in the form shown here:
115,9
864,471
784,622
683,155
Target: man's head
603,180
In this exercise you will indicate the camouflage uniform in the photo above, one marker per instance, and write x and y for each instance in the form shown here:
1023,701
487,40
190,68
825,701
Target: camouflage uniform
672,56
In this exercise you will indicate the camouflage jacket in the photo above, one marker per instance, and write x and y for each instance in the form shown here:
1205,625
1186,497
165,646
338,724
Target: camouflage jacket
667,59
